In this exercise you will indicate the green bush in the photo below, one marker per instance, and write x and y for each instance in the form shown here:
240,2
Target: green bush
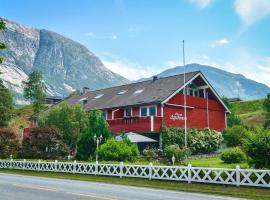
44,143
199,140
150,154
257,147
234,136
114,150
233,155
180,154
9,143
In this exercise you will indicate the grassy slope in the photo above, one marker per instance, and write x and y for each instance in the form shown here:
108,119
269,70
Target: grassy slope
244,192
21,119
251,112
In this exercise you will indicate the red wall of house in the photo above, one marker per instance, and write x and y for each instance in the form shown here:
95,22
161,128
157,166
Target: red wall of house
136,111
196,116
109,114
118,113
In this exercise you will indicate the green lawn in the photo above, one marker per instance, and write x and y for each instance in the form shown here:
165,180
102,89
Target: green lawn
216,163
244,192
203,162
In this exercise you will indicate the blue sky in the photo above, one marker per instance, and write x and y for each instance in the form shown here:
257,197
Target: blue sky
141,38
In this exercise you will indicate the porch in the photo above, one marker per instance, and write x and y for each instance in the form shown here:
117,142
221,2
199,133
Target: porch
135,124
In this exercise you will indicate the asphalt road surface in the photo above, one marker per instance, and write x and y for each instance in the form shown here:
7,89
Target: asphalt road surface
19,187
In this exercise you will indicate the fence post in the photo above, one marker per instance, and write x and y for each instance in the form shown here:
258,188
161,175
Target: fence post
237,172
189,173
55,165
96,168
39,164
150,170
74,166
121,169
24,161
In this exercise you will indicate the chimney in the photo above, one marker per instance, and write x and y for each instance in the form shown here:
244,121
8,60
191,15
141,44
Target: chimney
155,78
86,89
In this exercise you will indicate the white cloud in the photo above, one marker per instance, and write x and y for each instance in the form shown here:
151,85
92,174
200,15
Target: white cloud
102,37
202,3
130,70
251,11
253,67
222,41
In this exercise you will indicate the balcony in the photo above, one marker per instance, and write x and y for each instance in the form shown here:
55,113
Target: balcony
136,124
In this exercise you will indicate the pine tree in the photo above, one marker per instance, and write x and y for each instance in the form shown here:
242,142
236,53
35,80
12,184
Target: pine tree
34,90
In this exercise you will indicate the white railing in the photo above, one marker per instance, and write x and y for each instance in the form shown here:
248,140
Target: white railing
237,176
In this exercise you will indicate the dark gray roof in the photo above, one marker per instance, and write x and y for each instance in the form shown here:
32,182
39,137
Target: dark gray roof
153,92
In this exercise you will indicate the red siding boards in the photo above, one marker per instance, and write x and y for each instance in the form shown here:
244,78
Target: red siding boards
197,102
140,125
196,116
136,111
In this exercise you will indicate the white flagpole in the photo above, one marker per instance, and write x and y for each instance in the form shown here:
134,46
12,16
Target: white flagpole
185,100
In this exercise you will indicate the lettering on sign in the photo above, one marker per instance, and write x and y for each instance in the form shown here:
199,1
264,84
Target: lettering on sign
177,116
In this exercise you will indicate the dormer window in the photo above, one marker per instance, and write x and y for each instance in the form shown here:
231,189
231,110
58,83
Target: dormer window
99,96
138,91
84,100
122,92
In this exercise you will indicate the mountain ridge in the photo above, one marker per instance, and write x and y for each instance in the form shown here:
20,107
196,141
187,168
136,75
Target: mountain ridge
66,64
225,83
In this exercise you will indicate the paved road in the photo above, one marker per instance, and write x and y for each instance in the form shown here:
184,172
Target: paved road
20,187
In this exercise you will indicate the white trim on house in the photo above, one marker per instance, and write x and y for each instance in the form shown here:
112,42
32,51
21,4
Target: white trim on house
192,79
147,112
131,112
178,105
113,111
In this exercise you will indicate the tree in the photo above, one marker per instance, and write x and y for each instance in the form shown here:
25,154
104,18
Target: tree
6,106
2,45
6,101
232,118
97,126
44,143
9,143
267,111
257,147
71,120
233,136
34,90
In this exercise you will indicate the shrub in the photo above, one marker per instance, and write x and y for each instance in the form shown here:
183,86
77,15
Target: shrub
70,119
150,154
234,136
233,155
199,140
44,143
97,125
178,153
9,143
257,147
114,150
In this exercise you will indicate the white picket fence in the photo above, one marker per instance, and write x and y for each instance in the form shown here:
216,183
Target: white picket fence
238,177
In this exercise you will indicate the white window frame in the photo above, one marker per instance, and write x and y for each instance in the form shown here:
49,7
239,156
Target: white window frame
131,112
148,110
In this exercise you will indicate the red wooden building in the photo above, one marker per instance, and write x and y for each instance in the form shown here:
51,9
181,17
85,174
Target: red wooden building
143,107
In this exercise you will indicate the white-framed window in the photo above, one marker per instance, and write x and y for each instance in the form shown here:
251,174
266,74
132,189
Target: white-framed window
138,91
122,92
148,111
128,112
99,96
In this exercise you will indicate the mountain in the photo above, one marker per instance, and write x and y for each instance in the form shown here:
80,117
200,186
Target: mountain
66,65
225,83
